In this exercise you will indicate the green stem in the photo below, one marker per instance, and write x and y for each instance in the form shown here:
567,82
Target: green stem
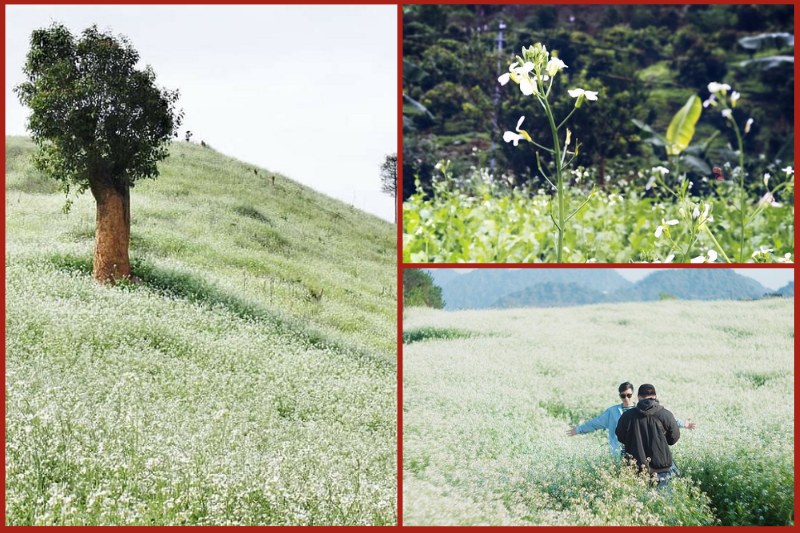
559,178
742,194
566,119
708,231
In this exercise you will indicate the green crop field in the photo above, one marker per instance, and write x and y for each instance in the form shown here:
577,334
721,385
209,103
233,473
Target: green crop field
488,402
249,378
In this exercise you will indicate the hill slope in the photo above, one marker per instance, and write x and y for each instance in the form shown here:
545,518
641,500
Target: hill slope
250,379
695,284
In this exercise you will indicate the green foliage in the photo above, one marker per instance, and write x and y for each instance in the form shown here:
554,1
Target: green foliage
424,334
641,59
419,290
95,116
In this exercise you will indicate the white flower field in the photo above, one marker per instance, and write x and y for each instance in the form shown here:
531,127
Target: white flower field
488,396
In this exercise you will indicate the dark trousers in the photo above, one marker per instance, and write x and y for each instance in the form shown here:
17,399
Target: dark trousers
664,477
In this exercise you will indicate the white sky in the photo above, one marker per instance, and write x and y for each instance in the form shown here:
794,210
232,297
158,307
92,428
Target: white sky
771,278
307,91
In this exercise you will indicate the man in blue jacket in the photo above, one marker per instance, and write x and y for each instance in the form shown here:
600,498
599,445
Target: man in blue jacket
608,419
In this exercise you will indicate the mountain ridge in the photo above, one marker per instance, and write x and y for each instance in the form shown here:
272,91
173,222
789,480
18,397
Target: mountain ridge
593,285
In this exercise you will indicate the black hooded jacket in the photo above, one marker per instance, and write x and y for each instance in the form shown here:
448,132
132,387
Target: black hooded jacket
647,432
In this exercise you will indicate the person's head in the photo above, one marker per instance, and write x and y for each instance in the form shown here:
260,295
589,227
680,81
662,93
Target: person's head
646,391
626,393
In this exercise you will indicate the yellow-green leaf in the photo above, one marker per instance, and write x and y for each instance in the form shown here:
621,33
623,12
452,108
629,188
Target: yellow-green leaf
681,129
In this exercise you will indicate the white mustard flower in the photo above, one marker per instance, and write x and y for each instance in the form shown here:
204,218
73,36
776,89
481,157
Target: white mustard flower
768,199
664,225
734,98
711,101
788,171
512,137
554,65
767,176
727,113
748,125
577,93
662,170
787,258
715,87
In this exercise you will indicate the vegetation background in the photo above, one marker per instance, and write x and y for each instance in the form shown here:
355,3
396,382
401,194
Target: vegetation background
644,60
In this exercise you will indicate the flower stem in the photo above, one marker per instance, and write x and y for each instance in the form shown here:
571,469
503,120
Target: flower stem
559,178
721,250
742,193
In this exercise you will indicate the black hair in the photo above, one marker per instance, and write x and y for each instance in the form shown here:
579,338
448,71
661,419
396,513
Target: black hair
647,390
625,386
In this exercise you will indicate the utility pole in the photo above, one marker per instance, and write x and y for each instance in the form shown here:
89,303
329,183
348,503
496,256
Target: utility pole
500,27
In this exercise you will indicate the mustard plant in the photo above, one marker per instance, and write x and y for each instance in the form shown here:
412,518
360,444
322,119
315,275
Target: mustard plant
534,72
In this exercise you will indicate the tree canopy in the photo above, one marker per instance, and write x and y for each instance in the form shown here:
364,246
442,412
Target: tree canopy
94,114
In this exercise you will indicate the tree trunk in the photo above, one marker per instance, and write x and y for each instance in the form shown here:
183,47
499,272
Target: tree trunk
112,235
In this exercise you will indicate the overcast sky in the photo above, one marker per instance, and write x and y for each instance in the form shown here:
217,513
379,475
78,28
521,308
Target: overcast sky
307,91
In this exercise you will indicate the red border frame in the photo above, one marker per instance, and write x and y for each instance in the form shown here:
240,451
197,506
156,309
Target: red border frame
400,265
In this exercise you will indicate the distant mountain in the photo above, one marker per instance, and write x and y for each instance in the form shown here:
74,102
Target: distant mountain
555,287
484,287
787,290
551,295
694,284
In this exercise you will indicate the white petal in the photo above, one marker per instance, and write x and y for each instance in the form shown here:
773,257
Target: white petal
524,69
575,92
510,136
659,231
712,256
591,95
669,258
698,259
519,122
503,79
727,113
671,222
527,86
696,212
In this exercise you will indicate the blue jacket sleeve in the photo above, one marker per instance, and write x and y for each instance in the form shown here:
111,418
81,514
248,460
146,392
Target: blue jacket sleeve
599,422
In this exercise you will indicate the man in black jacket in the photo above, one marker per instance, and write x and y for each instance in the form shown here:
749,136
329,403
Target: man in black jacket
646,433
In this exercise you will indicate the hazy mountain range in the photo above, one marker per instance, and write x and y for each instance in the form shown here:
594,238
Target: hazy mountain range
536,287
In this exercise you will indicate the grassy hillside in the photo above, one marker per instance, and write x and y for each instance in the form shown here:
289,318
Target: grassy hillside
249,379
488,399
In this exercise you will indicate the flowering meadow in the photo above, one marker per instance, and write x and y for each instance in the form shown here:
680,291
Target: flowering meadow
248,378
487,406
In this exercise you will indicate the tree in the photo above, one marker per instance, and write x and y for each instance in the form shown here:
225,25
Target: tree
389,178
419,290
100,124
